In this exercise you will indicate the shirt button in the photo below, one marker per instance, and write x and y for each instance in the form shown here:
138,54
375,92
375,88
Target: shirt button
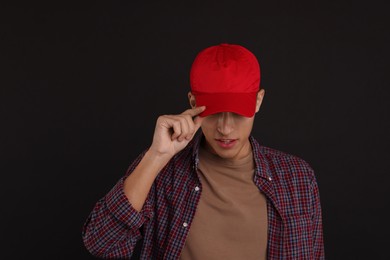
269,178
197,188
185,224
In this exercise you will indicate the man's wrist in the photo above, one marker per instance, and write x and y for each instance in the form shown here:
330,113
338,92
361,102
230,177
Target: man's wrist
156,160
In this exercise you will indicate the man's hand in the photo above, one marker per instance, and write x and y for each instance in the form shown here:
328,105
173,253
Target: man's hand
174,132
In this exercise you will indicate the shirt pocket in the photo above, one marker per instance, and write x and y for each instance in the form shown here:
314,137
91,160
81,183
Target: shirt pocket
298,237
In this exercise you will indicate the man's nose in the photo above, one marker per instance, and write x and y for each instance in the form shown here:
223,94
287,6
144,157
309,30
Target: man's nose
225,123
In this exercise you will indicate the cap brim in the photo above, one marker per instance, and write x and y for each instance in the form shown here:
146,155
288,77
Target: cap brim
240,103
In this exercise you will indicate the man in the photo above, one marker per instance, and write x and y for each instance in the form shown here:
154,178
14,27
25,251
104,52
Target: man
214,193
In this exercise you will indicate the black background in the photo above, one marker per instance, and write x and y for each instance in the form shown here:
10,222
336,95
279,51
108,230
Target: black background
82,85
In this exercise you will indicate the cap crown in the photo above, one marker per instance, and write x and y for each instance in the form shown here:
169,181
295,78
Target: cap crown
225,68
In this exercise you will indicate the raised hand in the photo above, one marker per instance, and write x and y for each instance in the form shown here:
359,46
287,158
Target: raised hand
174,132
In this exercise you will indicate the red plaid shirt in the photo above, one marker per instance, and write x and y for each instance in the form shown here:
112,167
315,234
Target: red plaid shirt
294,213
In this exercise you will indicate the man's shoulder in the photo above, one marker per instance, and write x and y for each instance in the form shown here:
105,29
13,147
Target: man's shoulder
283,163
277,155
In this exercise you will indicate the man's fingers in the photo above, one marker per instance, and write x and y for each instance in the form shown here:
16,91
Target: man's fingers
198,122
180,126
194,111
191,126
176,129
185,125
184,129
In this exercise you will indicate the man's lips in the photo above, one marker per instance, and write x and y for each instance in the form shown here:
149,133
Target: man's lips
226,143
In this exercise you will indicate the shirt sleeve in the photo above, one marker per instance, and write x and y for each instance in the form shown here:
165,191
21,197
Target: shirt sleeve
113,227
318,241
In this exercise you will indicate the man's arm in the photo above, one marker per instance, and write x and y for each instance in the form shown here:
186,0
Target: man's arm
172,134
318,240
112,229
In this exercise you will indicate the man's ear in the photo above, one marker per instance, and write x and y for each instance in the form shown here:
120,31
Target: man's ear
191,99
259,99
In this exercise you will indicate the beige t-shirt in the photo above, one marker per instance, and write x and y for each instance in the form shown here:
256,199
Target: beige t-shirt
231,218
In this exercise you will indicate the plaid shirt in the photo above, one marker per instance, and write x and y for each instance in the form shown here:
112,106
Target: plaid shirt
294,212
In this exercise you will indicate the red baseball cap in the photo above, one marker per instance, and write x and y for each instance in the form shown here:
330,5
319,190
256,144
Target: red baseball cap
226,78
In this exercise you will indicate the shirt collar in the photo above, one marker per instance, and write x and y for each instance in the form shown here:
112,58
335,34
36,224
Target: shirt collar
262,166
196,144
